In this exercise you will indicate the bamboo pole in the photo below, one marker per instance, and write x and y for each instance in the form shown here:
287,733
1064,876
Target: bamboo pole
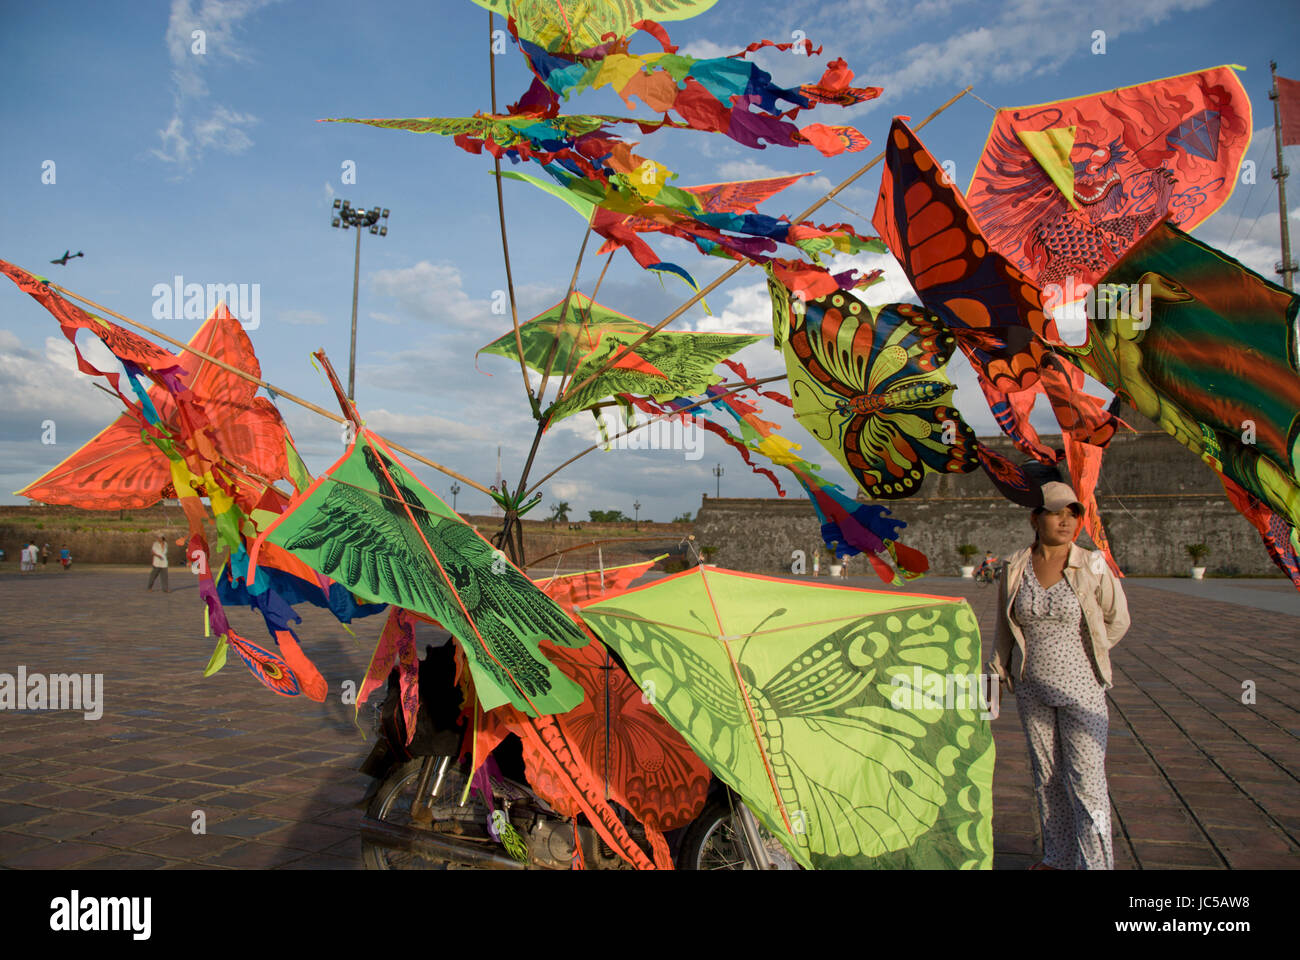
701,294
664,416
564,310
501,215
582,329
260,382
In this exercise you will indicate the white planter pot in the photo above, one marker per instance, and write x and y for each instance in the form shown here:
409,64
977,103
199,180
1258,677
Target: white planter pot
837,569
1198,573
968,573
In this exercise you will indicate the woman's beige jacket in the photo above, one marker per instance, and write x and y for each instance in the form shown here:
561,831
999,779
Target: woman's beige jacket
1105,612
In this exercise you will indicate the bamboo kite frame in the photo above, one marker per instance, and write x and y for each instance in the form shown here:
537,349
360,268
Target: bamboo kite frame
701,294
698,296
260,382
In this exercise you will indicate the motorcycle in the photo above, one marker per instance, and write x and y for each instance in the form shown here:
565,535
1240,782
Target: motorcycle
426,810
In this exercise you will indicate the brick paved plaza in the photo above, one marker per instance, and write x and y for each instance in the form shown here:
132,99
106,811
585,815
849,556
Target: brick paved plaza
1197,778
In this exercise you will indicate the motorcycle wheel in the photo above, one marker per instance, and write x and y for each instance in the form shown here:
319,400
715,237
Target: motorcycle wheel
714,842
392,804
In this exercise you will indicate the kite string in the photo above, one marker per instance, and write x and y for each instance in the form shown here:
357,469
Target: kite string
850,210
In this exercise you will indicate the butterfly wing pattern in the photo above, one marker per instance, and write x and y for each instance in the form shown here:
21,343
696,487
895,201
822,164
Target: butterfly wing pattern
869,385
992,308
821,710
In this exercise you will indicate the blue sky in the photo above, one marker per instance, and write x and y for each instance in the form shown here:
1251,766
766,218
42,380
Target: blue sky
212,167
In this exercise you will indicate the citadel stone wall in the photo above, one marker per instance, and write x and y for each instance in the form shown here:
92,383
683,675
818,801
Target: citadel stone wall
1154,496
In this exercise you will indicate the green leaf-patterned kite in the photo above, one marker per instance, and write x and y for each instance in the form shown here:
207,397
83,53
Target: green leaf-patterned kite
556,346
849,720
667,366
573,25
372,526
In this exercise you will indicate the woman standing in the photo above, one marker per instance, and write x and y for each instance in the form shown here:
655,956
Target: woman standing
1060,610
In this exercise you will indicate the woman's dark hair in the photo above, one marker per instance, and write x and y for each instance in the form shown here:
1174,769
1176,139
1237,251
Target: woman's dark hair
1074,509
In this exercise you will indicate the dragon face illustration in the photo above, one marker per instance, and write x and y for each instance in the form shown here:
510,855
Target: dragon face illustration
1115,204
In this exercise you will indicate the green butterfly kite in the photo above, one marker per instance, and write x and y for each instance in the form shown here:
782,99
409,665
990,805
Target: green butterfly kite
850,721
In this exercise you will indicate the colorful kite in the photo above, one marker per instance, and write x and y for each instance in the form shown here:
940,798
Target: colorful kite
374,527
575,25
559,337
621,210
1206,349
824,708
869,385
714,95
995,313
1063,189
667,365
118,469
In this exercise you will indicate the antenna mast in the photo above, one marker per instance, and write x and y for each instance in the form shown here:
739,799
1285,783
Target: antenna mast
1286,266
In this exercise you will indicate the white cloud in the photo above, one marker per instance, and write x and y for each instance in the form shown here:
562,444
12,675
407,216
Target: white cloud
195,41
749,311
43,390
303,318
705,50
748,169
426,426
1013,41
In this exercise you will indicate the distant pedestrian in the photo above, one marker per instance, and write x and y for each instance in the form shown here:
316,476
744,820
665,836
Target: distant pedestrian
28,563
159,563
65,558
45,555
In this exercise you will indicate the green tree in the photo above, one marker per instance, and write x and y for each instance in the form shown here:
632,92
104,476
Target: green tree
608,516
560,511
684,518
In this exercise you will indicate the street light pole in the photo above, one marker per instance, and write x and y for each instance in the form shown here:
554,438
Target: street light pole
636,515
345,215
455,489
352,351
718,472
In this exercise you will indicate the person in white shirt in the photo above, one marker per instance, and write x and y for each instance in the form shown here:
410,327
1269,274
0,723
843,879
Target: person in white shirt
159,564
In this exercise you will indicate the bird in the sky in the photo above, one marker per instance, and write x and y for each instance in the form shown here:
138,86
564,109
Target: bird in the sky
67,255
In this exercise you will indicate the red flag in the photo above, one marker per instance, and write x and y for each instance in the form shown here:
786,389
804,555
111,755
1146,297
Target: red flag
1288,104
